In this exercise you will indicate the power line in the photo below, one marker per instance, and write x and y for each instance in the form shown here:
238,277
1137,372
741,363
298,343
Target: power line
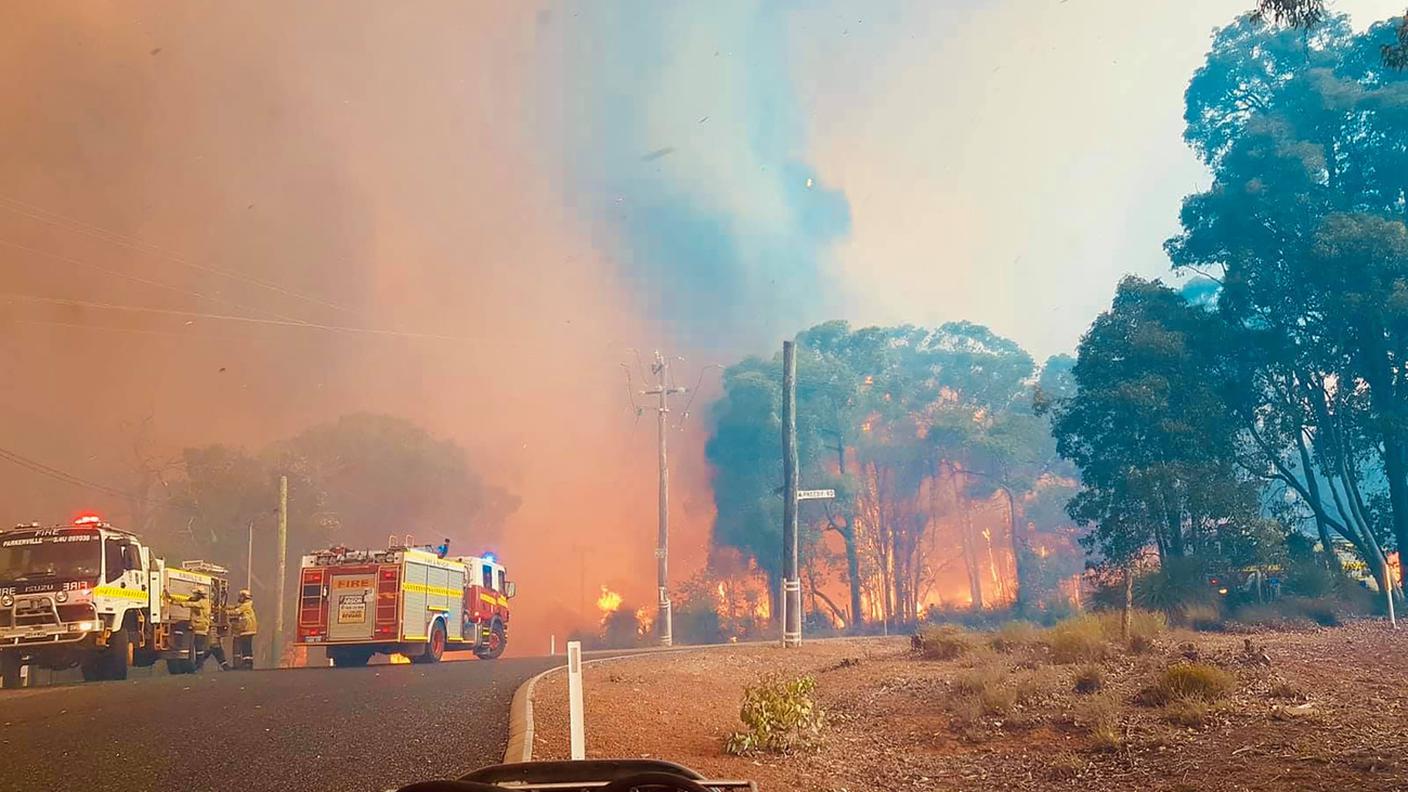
73,303
112,329
113,237
59,475
145,281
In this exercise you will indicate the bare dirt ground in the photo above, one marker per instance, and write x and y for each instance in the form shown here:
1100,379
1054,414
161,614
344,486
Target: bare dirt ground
1316,709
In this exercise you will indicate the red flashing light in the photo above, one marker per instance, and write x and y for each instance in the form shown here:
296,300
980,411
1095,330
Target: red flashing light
87,518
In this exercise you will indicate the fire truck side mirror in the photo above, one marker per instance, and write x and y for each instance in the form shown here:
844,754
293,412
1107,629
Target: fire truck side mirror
511,589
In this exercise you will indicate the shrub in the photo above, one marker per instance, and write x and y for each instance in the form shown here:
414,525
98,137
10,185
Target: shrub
1078,640
1189,681
943,642
1307,577
779,716
1090,679
1014,635
1177,584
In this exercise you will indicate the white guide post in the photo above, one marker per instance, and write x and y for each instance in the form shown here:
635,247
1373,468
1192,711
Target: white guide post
574,699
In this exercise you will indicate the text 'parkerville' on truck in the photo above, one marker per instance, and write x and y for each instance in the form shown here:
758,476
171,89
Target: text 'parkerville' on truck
90,595
403,600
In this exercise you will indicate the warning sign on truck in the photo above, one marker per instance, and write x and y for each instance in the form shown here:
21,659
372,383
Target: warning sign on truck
352,609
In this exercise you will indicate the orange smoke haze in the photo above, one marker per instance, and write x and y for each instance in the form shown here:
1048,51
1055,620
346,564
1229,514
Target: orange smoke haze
374,164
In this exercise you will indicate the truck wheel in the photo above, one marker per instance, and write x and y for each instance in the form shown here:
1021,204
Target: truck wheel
185,664
115,660
435,647
498,641
349,658
10,670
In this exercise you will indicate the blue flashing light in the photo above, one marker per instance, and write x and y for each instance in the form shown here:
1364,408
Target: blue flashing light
490,558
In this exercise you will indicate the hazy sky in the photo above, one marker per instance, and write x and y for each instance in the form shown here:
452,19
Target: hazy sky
1007,162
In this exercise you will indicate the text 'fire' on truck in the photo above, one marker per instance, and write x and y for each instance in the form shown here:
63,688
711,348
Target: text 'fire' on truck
90,595
402,601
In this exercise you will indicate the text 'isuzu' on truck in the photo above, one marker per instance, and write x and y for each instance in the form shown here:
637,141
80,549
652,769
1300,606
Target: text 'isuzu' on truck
402,601
90,595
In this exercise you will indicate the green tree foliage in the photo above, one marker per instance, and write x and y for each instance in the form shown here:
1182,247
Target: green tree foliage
1148,428
1302,230
1306,14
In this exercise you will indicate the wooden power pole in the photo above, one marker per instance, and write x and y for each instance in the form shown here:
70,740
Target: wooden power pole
279,586
663,390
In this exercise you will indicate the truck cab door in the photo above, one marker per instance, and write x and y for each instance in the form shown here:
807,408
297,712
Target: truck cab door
134,575
156,569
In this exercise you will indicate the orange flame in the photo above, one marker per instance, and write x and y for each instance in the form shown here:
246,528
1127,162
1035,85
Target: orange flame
609,601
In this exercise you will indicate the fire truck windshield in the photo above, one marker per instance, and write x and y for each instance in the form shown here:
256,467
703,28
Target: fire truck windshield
29,557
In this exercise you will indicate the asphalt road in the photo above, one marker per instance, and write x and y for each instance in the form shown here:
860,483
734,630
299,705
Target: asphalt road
304,730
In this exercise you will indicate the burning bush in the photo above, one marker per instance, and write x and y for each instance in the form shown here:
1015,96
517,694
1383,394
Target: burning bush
620,629
779,716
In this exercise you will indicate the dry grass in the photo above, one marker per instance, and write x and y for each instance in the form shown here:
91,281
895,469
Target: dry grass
1100,717
1014,635
943,642
1078,640
994,690
1090,679
977,680
1144,627
1036,684
1192,713
1065,767
1189,681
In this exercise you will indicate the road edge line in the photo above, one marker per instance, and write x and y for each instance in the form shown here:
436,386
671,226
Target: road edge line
520,720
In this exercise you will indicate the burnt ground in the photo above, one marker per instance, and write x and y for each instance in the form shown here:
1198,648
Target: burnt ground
1314,709
349,730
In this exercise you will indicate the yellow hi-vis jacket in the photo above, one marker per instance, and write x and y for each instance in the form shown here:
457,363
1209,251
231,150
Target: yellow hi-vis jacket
242,616
200,615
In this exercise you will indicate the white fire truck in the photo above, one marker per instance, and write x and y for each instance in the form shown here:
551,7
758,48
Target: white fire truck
403,600
90,595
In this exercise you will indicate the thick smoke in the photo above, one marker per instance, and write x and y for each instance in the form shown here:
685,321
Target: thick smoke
687,149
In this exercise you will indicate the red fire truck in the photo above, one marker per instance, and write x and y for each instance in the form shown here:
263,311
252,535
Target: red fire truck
403,600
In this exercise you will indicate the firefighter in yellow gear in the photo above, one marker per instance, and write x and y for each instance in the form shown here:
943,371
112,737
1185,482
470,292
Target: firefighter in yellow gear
200,624
244,625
